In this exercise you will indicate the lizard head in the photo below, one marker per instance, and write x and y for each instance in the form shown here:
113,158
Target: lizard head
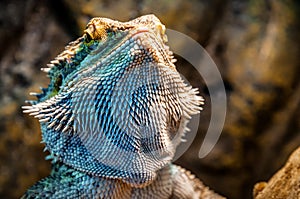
115,105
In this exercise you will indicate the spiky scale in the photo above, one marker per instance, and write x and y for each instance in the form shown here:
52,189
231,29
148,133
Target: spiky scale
113,95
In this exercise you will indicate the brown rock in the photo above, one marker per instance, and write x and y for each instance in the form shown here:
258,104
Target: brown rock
262,76
27,45
285,184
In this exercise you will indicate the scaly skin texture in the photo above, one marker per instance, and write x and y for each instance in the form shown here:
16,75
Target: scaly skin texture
113,114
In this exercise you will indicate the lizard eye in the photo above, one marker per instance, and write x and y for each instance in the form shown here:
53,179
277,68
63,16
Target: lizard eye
88,38
110,30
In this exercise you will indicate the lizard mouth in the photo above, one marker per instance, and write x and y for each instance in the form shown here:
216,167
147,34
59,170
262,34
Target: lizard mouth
159,31
140,31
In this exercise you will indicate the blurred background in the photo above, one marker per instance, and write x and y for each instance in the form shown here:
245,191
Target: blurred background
254,43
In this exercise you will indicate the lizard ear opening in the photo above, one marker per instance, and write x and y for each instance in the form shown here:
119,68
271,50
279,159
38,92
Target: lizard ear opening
58,83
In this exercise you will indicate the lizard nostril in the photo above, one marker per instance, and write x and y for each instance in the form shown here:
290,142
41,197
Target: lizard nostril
161,28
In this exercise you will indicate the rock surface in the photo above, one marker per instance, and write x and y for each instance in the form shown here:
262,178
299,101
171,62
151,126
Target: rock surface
284,184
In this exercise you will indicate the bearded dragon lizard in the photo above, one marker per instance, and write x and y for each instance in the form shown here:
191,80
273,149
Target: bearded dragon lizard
112,116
